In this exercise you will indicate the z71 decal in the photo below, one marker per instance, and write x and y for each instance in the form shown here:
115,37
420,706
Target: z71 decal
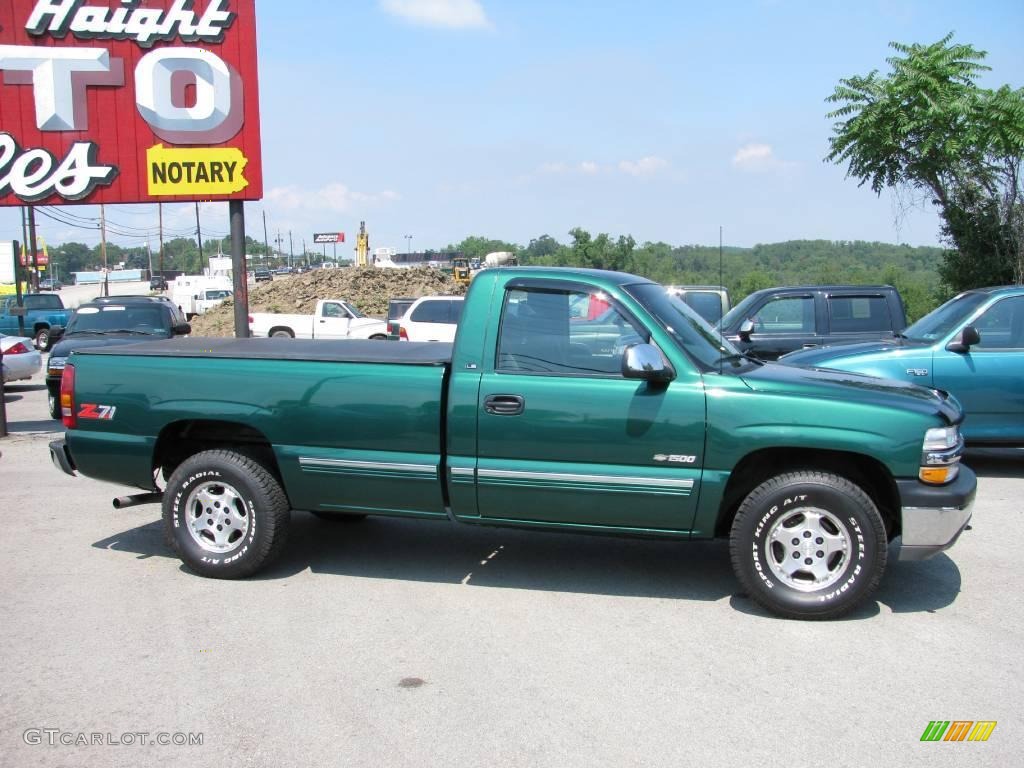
97,412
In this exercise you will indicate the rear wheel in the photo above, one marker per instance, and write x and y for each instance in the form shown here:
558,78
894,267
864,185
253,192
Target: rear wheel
282,333
225,515
42,339
808,545
53,401
379,337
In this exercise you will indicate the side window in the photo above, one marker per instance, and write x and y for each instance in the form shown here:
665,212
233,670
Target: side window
1002,325
334,310
542,332
858,314
431,312
455,311
786,314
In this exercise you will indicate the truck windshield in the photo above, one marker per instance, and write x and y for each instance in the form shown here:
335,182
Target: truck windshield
355,312
691,332
938,323
739,311
114,318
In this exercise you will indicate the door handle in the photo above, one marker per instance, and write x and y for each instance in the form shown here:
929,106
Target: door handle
809,346
504,405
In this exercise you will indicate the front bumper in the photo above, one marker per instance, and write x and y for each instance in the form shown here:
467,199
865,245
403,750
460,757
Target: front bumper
933,517
61,457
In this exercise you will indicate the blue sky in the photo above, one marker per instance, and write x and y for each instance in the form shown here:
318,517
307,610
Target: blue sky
664,120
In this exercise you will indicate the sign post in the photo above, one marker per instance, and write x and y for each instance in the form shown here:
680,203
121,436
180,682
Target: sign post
120,102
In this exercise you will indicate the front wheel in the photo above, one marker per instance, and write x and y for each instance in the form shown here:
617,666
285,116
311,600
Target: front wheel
224,514
808,545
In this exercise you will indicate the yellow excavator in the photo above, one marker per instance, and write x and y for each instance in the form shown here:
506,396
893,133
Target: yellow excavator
461,272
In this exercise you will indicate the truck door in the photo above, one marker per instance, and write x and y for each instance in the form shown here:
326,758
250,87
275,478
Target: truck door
564,438
333,323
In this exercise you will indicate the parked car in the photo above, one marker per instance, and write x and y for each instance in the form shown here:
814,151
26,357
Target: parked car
528,421
262,275
157,283
41,313
972,347
709,301
50,284
431,318
769,323
21,359
110,321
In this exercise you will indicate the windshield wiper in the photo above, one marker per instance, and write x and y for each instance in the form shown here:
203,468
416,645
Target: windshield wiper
131,330
742,356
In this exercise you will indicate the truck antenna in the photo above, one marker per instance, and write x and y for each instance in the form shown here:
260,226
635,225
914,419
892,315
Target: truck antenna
721,285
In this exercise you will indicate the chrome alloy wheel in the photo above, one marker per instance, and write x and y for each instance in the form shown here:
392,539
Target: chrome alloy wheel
808,549
218,519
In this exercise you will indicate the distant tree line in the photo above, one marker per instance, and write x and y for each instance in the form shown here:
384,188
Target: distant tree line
913,270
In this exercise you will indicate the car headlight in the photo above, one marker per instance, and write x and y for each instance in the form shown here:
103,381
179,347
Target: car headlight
940,455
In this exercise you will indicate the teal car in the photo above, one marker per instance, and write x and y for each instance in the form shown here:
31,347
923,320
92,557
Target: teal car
972,347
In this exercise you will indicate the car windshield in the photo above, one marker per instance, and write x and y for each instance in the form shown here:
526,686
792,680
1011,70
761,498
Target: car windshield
938,323
691,332
115,318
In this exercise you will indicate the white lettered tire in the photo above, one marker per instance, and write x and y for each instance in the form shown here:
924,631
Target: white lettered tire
224,514
808,545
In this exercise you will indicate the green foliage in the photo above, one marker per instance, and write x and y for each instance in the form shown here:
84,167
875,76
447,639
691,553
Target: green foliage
927,127
475,247
744,270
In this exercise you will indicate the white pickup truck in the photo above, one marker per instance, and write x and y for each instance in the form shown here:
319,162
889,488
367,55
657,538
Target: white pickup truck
333,319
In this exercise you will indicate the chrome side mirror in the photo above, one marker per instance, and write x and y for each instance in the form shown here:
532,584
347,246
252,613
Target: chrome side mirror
746,328
644,361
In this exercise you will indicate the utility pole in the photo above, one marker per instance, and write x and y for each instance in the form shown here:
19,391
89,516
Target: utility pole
266,243
32,244
291,249
18,257
103,248
160,209
199,233
279,240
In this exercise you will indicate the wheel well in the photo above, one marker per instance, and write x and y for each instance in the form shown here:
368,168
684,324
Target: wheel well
277,328
182,439
39,326
869,474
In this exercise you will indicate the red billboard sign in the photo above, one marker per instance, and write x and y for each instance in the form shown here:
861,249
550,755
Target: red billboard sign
128,101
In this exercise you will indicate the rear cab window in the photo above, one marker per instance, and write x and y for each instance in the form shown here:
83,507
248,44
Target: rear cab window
437,311
859,314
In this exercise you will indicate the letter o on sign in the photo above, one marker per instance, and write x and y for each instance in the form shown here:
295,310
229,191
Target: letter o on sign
217,113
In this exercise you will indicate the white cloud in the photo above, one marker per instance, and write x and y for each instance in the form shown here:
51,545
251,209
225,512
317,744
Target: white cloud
589,167
333,197
757,157
645,166
453,14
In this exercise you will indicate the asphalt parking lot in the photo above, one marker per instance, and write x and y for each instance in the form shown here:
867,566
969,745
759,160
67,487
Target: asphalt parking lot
402,643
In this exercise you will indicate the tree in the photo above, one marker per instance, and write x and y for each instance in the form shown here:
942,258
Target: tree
927,128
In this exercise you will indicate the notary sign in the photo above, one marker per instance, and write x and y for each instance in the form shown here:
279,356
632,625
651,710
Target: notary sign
128,101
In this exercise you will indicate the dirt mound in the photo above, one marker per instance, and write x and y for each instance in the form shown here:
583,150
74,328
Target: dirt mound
368,289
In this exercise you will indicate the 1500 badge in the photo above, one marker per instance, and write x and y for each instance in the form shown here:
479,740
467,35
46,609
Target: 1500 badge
675,458
97,412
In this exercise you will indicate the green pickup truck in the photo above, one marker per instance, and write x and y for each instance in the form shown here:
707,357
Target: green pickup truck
639,421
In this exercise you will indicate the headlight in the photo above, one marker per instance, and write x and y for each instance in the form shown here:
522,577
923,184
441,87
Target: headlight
941,438
940,455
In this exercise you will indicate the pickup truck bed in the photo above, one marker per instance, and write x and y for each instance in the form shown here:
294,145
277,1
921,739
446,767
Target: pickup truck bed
340,351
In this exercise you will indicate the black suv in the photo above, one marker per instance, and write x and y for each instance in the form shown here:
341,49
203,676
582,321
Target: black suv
771,322
109,321
157,283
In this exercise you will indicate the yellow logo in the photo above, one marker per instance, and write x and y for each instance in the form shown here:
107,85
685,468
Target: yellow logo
191,171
